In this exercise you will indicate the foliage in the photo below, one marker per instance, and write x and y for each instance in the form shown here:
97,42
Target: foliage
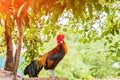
53,9
2,45
111,31
32,44
100,67
44,14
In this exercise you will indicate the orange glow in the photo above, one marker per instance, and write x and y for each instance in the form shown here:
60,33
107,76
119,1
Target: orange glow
11,3
18,3
11,6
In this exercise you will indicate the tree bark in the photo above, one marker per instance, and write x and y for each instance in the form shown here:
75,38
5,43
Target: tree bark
18,49
9,53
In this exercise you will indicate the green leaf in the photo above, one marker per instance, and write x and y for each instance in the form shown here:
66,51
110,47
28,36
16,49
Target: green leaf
113,51
106,9
118,53
117,31
105,43
98,6
65,29
112,46
48,38
114,58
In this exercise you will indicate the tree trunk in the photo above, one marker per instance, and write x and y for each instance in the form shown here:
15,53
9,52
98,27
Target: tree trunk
18,49
9,53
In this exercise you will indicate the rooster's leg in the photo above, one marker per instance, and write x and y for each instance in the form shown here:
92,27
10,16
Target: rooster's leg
52,75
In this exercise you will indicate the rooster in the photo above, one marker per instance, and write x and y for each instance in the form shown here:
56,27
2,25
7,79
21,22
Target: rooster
49,60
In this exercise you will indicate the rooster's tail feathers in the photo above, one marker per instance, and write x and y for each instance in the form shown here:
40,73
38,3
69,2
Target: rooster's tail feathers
33,69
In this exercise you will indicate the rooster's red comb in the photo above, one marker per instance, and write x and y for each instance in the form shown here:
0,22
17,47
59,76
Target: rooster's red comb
60,37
